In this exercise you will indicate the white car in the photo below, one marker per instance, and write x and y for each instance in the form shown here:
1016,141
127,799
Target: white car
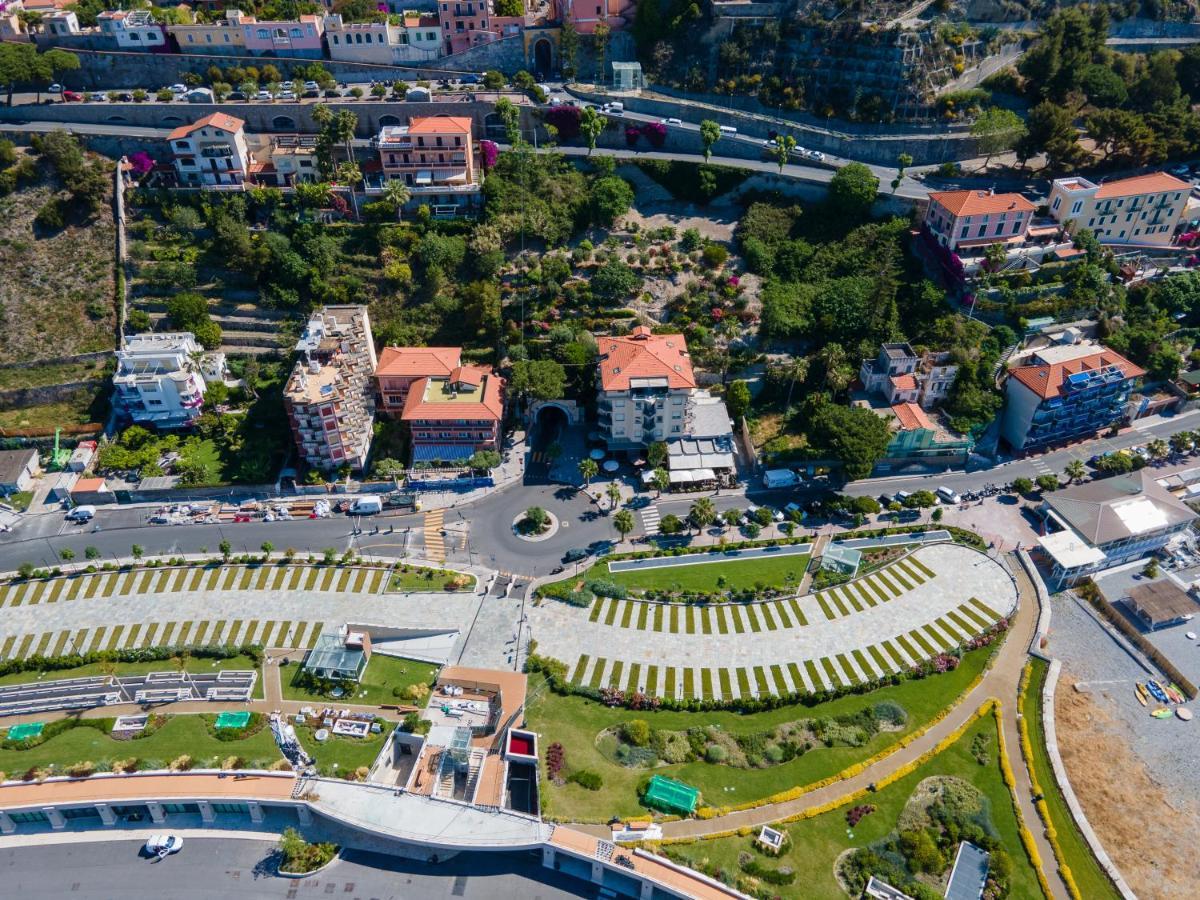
671,120
163,845
816,155
772,143
179,89
311,86
287,95
55,88
777,516
263,95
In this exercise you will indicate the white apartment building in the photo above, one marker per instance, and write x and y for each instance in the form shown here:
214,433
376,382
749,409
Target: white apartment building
330,395
416,39
645,380
900,375
133,29
1144,209
161,378
211,152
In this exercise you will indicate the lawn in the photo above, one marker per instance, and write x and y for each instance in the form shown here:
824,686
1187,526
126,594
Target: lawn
383,682
340,756
195,664
84,407
817,842
180,735
575,722
422,579
1089,877
739,574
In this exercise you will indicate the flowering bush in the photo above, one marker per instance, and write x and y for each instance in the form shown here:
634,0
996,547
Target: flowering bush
612,696
556,758
140,163
855,814
489,152
566,119
655,132
632,133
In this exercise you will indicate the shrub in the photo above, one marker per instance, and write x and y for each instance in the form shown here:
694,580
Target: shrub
81,769
715,753
715,255
587,779
181,763
636,732
416,692
52,215
556,757
604,588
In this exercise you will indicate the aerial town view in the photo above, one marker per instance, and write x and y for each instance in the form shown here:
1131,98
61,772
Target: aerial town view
649,449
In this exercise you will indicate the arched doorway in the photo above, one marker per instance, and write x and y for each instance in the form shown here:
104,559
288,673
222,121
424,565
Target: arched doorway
493,126
388,119
283,123
543,57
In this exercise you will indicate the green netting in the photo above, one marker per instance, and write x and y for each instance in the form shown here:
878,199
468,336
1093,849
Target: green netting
671,795
26,731
233,719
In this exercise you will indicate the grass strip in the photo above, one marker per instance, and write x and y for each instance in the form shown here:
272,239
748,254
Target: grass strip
844,665
114,638
889,585
95,643
344,580
298,572
743,681
627,614
314,634
797,611
689,619
920,566
652,680
597,604
598,672
706,684
864,665
751,611
894,652
831,671
56,591
706,614
824,604
643,615
7,646
610,616
991,614
777,677
327,578
689,683
93,588
814,675
764,612
735,614
971,614
360,581
635,673
150,635
63,637
927,650
850,597
670,690
720,614
131,639
614,677
780,612
23,649
881,662
760,680
313,574
195,576
897,575
964,624
726,683
674,626
77,584
658,617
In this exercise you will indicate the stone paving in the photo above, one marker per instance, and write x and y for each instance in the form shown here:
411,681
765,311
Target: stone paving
269,605
928,602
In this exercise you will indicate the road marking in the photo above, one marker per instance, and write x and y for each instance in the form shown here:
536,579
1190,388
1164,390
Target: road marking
435,544
650,520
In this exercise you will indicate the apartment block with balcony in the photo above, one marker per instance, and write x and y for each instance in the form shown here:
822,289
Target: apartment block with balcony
645,382
284,160
900,375
469,23
585,15
211,152
330,395
963,221
133,29
161,378
1143,210
224,36
415,38
451,416
1065,392
402,367
293,39
435,157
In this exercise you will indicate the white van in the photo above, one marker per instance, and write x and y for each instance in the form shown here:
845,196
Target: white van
616,107
728,129
82,514
948,496
366,506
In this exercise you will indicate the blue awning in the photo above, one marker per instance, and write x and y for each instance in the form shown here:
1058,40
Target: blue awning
442,452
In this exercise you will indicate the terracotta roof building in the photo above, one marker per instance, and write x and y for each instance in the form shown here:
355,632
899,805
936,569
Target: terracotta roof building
435,158
1143,210
400,367
451,416
211,152
900,375
645,381
1066,392
977,219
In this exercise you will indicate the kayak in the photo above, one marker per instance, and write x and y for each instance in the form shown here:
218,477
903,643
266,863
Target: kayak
1174,693
1141,693
1156,691
1162,713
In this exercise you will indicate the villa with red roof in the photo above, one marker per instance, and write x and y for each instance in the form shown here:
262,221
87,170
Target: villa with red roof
435,158
1066,392
976,218
900,375
1143,210
451,409
645,382
211,152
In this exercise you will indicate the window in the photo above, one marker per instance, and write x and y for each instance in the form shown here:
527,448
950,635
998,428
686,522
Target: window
263,34
335,38
191,39
296,32
1057,201
226,38
1076,207
135,36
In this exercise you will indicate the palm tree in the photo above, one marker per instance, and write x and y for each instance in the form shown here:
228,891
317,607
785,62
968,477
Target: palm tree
351,175
702,514
397,193
614,494
623,522
1158,449
661,480
1181,441
588,470
1075,470
797,370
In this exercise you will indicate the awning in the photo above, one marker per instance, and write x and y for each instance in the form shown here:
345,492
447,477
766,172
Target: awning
1069,551
424,178
689,476
442,452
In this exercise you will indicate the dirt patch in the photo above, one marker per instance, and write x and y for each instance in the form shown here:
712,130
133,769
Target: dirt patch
1147,832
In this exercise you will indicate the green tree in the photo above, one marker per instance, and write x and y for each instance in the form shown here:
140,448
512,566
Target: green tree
996,130
1075,470
542,379
737,399
510,117
710,133
1050,129
614,281
225,547
784,145
568,48
1022,485
600,38
138,551
396,192
588,470
537,518
661,479
614,494
855,436
852,192
267,548
66,554
91,552
623,522
591,126
702,514
611,198
1047,482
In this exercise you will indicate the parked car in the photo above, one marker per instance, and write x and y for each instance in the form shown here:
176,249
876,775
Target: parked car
671,120
469,79
816,156
72,96
82,514
311,86
575,554
1180,171
263,95
332,92
236,95
162,845
178,89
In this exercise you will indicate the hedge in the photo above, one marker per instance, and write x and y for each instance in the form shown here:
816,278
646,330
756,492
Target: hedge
128,655
1010,780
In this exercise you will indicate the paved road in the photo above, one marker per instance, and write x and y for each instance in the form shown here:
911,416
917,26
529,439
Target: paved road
221,867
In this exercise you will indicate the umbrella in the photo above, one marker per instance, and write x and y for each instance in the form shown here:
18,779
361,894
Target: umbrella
597,454
611,465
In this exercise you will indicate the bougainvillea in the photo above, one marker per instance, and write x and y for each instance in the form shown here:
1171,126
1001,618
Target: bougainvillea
488,154
655,132
140,163
566,119
855,814
556,758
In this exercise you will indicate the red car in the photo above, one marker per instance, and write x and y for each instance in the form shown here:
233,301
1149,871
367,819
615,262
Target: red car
72,97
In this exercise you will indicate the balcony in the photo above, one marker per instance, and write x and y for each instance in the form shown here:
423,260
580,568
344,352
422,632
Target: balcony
216,152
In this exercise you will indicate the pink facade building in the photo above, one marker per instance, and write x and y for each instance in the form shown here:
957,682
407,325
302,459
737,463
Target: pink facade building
468,23
585,15
294,39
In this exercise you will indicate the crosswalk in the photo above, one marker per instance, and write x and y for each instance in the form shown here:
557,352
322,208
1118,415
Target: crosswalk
650,520
435,544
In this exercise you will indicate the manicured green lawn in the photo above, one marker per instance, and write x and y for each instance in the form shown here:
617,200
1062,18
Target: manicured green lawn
575,722
383,674
138,668
340,756
817,842
1089,877
739,574
180,735
420,579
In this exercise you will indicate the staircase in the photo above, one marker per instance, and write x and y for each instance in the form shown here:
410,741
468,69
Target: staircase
474,767
1003,361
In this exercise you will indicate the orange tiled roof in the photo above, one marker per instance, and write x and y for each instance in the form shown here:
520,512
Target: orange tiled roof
419,361
219,120
904,382
1142,184
490,406
1046,380
468,375
644,355
911,417
977,203
439,125
88,485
